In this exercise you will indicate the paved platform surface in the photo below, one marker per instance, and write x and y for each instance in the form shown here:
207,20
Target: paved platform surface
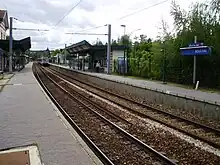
27,117
5,79
213,98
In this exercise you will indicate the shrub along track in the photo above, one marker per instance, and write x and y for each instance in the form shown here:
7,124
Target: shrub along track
162,141
194,129
118,145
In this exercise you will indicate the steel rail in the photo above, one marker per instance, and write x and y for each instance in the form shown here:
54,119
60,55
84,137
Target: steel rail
89,142
129,136
180,119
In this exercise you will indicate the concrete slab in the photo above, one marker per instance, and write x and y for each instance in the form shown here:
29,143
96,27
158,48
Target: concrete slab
27,116
21,155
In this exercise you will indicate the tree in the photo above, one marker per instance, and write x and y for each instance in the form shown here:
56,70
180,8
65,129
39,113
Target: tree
179,16
147,60
56,51
140,57
98,42
114,42
215,6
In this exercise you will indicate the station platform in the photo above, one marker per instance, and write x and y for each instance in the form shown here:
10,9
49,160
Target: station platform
27,116
208,97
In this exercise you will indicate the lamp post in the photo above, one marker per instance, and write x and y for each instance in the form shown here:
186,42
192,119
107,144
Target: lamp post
124,26
109,49
126,45
133,32
134,45
10,45
163,50
65,55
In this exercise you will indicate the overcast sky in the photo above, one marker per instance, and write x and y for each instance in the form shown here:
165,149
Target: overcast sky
45,14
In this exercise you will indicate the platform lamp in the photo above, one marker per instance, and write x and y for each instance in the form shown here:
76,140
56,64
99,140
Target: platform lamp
124,26
109,48
128,43
163,51
10,44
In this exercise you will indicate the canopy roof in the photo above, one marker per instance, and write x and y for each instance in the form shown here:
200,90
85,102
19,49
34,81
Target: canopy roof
84,47
22,45
79,47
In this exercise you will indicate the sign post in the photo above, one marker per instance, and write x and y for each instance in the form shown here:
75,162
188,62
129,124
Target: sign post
194,64
109,50
10,45
195,49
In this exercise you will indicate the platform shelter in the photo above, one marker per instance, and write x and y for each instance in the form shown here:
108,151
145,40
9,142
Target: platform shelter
84,56
20,58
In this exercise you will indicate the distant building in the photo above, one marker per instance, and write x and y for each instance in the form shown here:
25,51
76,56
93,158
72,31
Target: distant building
4,25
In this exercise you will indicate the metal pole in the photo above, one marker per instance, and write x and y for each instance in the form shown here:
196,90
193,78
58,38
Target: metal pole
124,48
78,60
65,55
10,46
124,59
164,65
109,49
194,64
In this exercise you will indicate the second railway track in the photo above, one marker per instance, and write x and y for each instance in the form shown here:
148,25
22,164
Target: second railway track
119,146
164,142
196,130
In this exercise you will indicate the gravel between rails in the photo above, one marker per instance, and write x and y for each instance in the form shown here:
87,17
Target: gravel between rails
194,130
164,141
192,115
119,149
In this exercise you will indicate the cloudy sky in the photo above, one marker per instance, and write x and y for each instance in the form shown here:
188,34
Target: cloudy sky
45,14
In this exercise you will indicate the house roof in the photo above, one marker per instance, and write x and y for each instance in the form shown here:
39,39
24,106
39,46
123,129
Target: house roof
4,17
2,14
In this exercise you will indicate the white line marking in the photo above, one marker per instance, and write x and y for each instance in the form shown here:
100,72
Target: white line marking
17,84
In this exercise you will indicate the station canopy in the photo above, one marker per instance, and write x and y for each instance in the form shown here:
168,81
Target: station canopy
80,47
83,47
22,45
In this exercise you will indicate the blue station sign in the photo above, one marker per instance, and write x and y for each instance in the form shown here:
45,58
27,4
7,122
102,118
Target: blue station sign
195,51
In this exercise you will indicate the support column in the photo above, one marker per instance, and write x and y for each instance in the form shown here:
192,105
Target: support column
194,64
109,50
10,46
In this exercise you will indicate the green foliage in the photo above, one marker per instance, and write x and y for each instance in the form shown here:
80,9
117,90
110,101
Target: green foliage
58,51
114,42
150,58
140,57
201,22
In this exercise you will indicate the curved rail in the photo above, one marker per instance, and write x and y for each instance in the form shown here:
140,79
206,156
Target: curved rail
180,119
95,149
128,135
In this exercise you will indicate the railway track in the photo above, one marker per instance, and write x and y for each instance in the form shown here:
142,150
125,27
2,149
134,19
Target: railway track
117,145
194,129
